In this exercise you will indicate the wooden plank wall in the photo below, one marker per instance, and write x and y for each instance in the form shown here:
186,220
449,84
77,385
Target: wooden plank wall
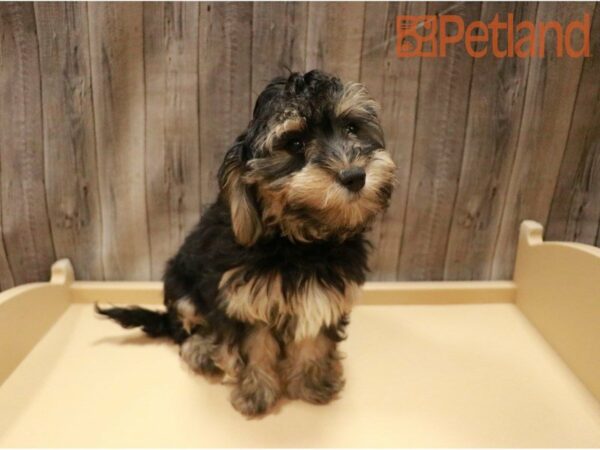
114,118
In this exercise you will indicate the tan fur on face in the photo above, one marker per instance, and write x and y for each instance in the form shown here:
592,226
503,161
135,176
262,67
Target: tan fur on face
356,98
259,165
293,123
261,300
273,214
316,188
338,208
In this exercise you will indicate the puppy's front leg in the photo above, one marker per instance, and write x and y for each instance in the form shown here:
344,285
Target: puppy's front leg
258,388
312,370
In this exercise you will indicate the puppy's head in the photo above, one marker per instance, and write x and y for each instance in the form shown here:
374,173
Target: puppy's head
312,163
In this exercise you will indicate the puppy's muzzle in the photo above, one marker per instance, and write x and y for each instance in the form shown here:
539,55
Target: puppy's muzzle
353,178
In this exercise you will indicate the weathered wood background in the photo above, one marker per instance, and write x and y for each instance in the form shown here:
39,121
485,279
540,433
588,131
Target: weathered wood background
114,118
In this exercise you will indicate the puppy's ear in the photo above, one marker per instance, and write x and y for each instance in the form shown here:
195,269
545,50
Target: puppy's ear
245,218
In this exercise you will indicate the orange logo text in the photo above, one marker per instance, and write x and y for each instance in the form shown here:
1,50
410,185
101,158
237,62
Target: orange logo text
431,36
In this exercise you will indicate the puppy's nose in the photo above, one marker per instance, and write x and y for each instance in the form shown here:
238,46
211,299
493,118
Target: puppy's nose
353,178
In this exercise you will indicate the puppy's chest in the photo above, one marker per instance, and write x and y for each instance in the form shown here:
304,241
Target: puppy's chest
301,313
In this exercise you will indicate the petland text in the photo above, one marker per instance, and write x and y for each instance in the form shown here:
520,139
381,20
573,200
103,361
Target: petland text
430,36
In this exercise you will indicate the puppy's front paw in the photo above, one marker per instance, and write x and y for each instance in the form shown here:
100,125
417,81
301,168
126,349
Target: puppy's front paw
255,394
197,351
318,383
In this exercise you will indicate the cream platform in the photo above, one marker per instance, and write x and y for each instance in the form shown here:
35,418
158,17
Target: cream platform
513,363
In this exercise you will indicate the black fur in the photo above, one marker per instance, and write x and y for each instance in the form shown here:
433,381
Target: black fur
337,257
211,249
153,323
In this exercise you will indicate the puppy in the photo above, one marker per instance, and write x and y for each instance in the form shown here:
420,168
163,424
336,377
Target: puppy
261,290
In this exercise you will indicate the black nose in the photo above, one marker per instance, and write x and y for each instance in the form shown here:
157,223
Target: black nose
353,178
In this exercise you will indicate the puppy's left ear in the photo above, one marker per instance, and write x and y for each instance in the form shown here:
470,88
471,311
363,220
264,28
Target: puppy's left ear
245,218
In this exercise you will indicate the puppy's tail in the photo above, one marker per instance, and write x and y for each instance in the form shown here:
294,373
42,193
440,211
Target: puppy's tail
153,323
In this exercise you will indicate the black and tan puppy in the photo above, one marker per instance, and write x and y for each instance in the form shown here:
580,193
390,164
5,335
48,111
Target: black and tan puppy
261,289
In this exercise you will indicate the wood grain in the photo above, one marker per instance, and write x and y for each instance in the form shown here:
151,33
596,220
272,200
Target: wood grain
115,118
71,172
444,85
551,90
575,211
278,41
6,278
225,54
25,222
116,44
495,108
172,142
394,83
334,38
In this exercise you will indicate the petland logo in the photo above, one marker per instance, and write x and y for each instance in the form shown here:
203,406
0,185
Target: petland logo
522,40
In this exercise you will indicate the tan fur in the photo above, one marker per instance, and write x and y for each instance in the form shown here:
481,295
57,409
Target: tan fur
254,301
316,188
308,349
229,361
260,347
320,306
245,220
196,351
293,123
259,386
355,97
258,164
261,301
273,204
312,369
339,208
203,354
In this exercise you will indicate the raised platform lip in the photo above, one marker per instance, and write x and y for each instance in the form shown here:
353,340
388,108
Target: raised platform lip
532,232
530,235
17,291
373,293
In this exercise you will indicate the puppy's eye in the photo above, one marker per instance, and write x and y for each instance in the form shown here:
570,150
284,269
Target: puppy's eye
351,128
296,145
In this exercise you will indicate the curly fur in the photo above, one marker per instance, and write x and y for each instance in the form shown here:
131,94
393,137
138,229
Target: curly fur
261,290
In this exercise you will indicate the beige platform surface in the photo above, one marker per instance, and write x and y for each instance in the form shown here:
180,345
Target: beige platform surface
443,375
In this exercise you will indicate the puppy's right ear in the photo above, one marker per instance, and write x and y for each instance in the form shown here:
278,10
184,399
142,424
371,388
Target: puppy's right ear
245,219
